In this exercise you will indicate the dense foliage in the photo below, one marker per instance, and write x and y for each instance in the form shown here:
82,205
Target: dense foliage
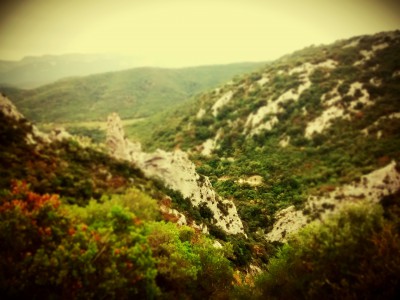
103,250
77,223
338,155
353,255
62,167
99,238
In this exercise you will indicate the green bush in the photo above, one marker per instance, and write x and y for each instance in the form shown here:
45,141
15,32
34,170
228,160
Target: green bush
53,250
353,255
46,253
189,266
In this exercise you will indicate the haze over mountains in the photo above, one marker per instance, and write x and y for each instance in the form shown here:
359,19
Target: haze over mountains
282,182
33,71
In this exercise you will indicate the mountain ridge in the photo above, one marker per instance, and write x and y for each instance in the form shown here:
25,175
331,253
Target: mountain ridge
132,93
297,126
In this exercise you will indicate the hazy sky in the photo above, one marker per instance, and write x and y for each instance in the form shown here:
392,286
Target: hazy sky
186,32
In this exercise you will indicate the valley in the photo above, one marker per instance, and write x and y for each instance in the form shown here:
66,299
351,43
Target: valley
91,98
101,125
276,180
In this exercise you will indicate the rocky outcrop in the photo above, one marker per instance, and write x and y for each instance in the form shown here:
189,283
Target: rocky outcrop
9,109
335,109
371,187
34,136
117,145
256,122
221,102
177,172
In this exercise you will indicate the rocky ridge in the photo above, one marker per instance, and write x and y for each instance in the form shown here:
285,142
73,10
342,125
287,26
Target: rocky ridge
316,120
177,172
266,117
371,187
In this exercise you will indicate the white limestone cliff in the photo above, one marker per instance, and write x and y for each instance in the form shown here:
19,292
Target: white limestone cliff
177,172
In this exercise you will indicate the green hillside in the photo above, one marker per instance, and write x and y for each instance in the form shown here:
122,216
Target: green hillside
77,223
133,93
307,125
288,174
307,149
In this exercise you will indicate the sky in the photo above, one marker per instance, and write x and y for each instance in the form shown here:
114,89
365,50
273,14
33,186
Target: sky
176,33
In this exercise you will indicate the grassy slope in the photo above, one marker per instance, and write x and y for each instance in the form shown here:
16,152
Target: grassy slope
133,93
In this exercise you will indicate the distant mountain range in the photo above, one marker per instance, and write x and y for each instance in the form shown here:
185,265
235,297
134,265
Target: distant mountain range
132,93
33,71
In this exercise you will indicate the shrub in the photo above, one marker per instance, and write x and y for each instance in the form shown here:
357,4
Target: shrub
189,266
205,211
353,255
46,253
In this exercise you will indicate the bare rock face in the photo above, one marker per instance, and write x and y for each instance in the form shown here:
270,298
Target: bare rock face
117,145
177,172
115,137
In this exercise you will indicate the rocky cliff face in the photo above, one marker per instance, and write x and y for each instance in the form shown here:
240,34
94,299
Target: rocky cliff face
177,172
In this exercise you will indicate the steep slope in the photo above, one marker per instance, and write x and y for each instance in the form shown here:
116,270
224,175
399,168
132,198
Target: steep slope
133,93
56,162
59,162
77,223
178,173
307,124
